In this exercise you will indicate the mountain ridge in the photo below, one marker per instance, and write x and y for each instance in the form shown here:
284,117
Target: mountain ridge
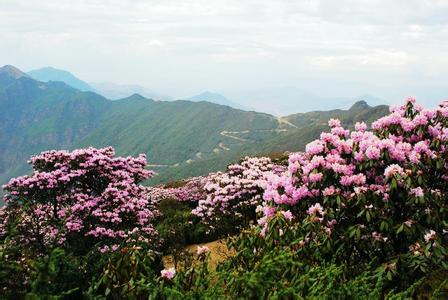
47,74
181,138
115,91
11,71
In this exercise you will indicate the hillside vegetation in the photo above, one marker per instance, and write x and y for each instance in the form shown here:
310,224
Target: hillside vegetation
361,213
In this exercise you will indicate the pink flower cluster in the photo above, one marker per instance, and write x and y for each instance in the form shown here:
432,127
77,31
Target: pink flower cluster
202,250
84,196
238,191
168,274
188,190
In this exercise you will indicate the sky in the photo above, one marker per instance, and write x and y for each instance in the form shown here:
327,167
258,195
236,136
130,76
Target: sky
342,48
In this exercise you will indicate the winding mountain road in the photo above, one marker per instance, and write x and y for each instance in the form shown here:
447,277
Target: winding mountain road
234,136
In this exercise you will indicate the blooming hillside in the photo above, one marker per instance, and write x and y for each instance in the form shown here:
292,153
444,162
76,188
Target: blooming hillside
359,214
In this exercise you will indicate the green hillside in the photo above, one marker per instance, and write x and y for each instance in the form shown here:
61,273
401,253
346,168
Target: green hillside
38,116
303,129
173,132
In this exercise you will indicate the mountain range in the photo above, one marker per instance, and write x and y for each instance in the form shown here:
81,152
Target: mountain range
285,100
52,74
116,91
181,138
275,100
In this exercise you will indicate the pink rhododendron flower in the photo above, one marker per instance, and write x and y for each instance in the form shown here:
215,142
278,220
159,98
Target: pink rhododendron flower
287,215
360,126
239,189
168,274
316,209
334,123
315,177
315,147
373,152
430,235
417,192
392,170
202,249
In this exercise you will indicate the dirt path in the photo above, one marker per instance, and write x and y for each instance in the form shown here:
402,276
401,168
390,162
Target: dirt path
282,120
218,253
221,145
230,135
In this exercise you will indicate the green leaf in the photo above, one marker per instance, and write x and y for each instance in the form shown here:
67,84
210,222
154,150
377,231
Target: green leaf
389,275
393,184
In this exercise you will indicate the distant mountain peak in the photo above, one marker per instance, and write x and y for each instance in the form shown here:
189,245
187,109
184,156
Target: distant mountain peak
360,105
216,98
208,93
136,96
208,96
12,71
116,91
47,74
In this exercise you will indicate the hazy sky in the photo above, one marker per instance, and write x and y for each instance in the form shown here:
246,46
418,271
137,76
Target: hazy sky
340,48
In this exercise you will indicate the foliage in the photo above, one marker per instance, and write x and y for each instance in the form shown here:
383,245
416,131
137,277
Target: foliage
134,273
177,227
279,265
57,274
13,272
127,274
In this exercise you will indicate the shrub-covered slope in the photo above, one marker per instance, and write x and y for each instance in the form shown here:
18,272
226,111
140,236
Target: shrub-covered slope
360,214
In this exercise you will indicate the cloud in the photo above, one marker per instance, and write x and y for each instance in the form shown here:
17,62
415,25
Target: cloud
186,46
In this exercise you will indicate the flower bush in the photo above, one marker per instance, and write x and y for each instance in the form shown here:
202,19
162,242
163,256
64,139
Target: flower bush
236,193
80,200
371,196
190,190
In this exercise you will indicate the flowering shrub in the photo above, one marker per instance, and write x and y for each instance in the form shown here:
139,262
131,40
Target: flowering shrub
237,192
376,195
188,190
79,199
192,189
